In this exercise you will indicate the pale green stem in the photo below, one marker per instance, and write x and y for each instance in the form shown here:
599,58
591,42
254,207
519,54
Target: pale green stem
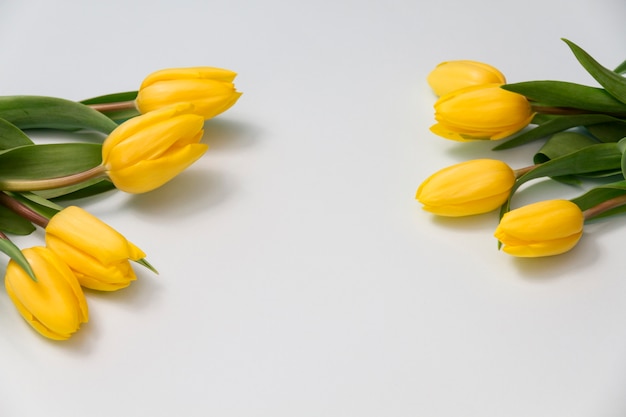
108,107
49,183
521,171
604,206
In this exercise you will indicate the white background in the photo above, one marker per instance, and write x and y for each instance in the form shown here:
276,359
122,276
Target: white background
298,275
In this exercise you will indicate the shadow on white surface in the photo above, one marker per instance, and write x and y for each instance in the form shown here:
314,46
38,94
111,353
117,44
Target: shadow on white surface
224,134
182,196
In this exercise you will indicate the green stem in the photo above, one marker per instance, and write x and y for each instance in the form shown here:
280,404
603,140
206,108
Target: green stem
50,183
521,171
604,206
109,107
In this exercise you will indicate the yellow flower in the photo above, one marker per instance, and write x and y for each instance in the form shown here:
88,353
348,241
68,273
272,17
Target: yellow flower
541,229
55,305
96,253
210,90
481,112
471,187
147,151
454,75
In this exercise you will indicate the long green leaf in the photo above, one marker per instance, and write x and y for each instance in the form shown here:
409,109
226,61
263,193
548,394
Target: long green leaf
11,136
13,223
613,82
40,112
112,98
554,125
568,95
9,248
48,160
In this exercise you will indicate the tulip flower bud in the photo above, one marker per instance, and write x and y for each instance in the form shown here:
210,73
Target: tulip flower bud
96,253
210,90
147,151
481,112
55,305
468,188
454,75
541,229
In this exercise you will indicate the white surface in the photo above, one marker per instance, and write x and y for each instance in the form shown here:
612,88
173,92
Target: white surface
298,275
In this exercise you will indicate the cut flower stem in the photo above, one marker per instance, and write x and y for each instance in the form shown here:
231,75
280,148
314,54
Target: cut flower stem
604,207
50,183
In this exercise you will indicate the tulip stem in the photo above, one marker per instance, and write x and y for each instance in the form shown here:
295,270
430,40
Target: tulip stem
23,211
604,207
49,183
521,171
116,106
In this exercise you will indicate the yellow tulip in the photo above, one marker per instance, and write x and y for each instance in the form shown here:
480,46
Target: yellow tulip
98,255
541,229
471,187
147,151
481,112
55,305
454,75
210,90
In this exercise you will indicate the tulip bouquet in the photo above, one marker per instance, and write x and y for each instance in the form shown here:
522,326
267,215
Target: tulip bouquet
582,130
149,136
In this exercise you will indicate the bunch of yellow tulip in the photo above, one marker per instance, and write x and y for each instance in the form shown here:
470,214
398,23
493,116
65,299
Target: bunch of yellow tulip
150,136
583,129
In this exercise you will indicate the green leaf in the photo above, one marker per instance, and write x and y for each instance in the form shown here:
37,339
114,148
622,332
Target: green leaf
9,248
37,203
13,223
554,124
89,189
143,262
39,112
587,160
112,98
48,160
613,82
608,132
11,136
621,68
568,95
562,144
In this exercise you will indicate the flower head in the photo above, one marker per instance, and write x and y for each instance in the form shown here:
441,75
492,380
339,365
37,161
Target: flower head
98,255
471,187
210,90
147,151
55,305
454,75
541,229
481,112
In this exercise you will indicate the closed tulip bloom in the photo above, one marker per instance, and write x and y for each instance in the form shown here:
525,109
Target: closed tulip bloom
454,75
481,112
147,151
98,255
541,229
55,305
471,187
210,90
